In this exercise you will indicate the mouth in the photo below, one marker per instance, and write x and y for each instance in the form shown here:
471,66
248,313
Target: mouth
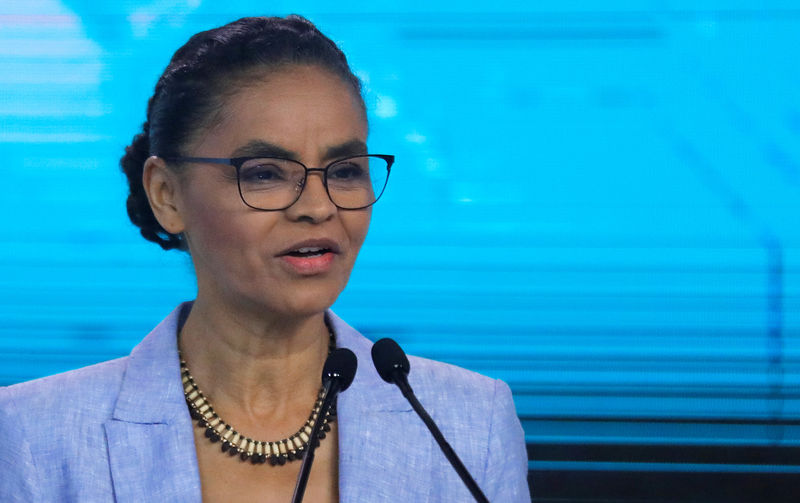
309,252
311,248
311,257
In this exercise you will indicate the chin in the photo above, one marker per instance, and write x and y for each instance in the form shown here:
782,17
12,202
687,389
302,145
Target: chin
290,299
305,310
307,303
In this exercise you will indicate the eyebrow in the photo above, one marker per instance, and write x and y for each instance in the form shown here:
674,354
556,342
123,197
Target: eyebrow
352,147
263,148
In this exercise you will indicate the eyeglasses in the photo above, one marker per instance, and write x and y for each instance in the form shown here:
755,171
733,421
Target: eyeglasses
274,183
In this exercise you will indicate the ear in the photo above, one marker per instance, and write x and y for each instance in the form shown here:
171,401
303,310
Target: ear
162,186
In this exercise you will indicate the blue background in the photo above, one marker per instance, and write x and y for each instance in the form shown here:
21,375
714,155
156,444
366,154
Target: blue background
594,201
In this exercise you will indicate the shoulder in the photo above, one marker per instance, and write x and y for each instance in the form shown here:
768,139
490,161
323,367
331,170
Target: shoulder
463,399
425,373
449,381
477,414
51,408
447,389
87,391
52,425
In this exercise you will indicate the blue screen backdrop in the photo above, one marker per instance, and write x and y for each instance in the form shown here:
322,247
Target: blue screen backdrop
597,202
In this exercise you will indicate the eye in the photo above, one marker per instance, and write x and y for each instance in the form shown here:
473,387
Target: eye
262,171
348,171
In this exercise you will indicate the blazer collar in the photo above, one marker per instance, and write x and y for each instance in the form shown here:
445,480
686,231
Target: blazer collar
368,392
151,441
150,435
151,390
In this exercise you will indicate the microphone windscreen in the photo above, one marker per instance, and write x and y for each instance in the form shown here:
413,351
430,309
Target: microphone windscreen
388,356
340,365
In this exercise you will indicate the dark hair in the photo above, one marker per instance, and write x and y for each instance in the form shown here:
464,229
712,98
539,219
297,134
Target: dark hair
212,65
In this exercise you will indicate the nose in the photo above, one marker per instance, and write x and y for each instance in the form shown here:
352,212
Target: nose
314,204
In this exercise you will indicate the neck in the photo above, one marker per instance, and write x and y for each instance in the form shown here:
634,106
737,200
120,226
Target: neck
255,366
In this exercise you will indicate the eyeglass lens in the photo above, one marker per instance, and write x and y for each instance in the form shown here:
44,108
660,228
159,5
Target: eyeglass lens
272,184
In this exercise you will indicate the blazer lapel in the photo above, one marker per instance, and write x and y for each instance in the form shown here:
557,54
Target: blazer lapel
150,439
151,442
378,432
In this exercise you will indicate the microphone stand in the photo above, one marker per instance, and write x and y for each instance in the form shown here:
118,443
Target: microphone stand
405,388
337,375
331,389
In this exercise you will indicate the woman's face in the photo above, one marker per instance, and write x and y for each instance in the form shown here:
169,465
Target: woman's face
251,259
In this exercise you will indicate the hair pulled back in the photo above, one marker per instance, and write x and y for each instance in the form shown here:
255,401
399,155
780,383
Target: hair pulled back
189,94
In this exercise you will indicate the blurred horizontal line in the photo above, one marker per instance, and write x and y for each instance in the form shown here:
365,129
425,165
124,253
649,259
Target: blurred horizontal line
531,34
643,393
37,20
407,265
659,467
663,420
637,453
546,329
52,138
683,13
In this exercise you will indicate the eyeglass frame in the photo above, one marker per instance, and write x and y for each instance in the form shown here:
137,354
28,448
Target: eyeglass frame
238,162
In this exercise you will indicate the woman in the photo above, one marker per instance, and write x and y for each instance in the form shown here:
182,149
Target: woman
253,159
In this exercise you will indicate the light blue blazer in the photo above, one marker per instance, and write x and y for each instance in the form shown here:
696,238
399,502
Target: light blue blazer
121,431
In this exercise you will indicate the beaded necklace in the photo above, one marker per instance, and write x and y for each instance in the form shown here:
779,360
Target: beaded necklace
257,451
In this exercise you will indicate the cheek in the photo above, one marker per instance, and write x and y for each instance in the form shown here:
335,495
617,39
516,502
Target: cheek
209,236
214,228
357,225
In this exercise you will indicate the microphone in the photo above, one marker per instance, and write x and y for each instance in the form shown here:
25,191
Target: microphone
337,375
393,367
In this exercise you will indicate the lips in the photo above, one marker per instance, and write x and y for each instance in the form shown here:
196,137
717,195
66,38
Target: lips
312,251
310,257
311,247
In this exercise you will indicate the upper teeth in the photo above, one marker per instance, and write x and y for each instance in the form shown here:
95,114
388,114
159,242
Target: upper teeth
309,250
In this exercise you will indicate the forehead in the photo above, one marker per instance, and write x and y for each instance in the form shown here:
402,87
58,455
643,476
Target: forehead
302,109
